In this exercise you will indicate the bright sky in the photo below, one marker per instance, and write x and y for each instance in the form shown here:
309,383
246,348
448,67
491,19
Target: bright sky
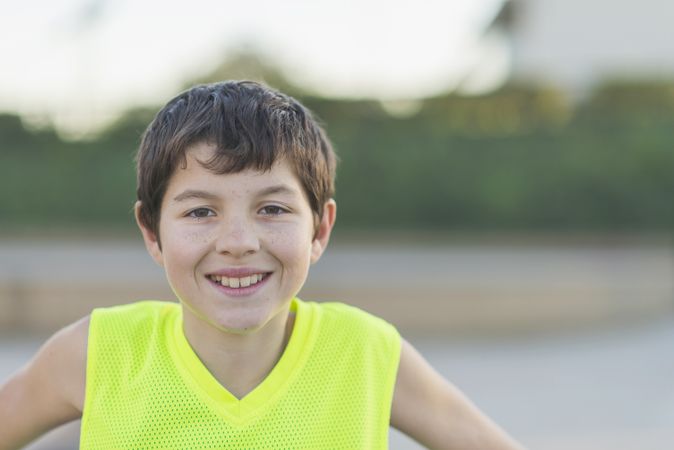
81,62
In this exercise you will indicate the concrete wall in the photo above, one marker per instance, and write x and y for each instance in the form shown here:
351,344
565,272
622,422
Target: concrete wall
449,288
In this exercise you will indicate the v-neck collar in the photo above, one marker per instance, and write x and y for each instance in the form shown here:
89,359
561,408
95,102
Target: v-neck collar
223,402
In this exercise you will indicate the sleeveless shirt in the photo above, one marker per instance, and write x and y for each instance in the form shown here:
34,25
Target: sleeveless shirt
147,389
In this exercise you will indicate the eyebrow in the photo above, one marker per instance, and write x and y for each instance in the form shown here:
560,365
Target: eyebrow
206,195
194,193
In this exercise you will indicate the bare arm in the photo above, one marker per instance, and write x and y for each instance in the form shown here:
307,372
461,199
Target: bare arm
48,391
430,410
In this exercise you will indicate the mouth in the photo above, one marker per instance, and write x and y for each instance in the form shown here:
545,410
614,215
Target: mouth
239,282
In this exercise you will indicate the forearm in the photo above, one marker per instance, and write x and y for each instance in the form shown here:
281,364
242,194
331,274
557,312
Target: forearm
477,434
28,411
452,428
438,415
16,430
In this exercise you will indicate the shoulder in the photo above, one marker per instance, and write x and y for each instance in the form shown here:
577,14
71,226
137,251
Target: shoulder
122,335
129,321
60,365
49,390
359,326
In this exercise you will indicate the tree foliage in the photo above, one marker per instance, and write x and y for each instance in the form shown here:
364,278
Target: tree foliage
521,158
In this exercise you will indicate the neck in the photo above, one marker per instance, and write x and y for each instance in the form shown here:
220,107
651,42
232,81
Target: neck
239,362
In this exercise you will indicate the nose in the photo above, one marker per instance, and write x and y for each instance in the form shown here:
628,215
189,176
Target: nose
237,237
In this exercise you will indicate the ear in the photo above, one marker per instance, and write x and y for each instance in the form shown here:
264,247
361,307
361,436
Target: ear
322,236
151,241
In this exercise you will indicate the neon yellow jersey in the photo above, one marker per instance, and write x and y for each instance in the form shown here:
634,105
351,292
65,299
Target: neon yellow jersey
147,389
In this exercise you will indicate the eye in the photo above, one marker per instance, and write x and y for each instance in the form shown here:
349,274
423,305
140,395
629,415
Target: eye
200,213
273,210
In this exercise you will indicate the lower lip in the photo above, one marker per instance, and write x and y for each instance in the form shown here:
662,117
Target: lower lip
242,291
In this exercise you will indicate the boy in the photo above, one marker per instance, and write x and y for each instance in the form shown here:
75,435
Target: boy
235,187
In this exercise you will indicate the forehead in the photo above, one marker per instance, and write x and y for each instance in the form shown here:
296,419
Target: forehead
194,175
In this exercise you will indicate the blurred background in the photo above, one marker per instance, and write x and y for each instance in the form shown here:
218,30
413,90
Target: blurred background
505,186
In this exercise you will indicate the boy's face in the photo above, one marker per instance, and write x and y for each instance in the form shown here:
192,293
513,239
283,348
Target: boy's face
236,248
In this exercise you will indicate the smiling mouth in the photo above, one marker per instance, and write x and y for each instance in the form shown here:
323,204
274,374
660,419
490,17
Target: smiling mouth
236,283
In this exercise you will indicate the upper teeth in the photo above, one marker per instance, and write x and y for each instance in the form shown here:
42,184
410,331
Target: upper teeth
237,282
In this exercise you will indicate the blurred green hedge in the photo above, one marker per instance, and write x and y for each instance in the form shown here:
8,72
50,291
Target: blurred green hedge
522,158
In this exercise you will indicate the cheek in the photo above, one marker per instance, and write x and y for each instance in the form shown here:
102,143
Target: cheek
300,257
293,247
197,239
182,247
184,235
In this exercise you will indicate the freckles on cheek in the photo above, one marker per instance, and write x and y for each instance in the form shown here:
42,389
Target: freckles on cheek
197,237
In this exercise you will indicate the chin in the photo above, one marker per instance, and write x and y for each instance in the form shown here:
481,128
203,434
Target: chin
240,325
242,330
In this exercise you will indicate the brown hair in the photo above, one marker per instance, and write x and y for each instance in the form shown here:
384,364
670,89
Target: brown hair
250,125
